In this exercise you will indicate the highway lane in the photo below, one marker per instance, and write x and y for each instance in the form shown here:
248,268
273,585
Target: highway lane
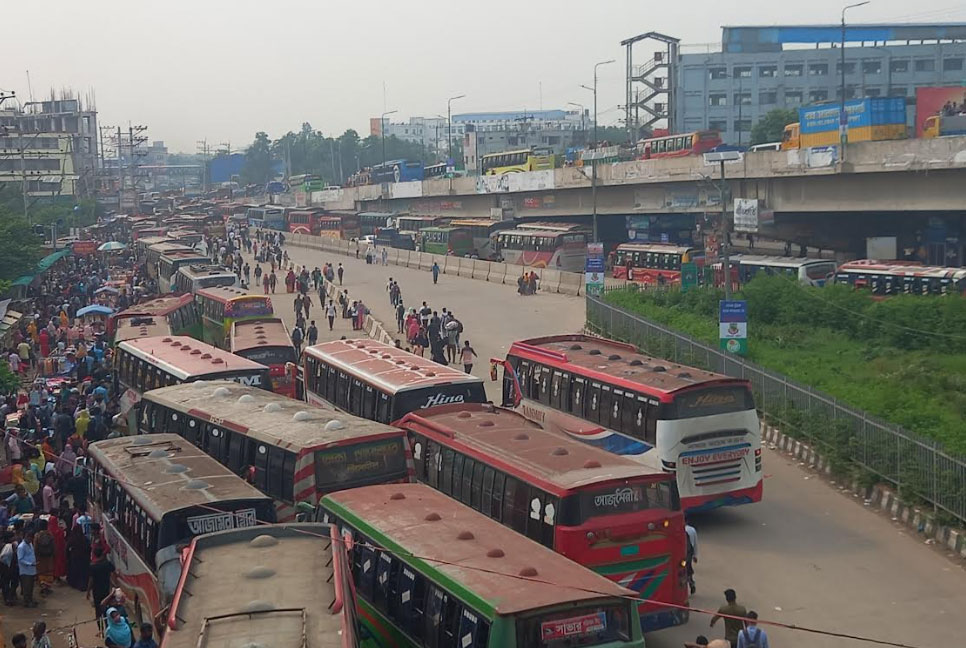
805,555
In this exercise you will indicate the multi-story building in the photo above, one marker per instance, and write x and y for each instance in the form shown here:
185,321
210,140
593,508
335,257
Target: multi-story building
426,131
51,146
762,68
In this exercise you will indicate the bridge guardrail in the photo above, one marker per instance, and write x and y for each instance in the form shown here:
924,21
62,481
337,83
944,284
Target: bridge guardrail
918,466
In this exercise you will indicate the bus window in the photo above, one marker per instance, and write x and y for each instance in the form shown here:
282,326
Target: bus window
545,374
535,514
577,397
446,483
469,467
458,460
192,433
635,414
260,462
487,493
236,452
496,507
614,411
595,403
382,407
477,486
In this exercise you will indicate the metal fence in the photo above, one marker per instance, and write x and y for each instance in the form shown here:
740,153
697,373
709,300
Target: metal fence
916,465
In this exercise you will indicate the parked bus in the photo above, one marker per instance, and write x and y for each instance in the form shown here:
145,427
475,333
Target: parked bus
266,340
178,310
452,241
304,221
151,495
297,182
483,231
700,426
289,450
413,224
683,144
349,226
606,512
373,222
220,307
141,326
884,278
141,365
549,249
194,277
430,572
434,171
305,568
267,217
397,171
171,262
811,272
153,254
379,382
535,159
143,243
654,263
145,232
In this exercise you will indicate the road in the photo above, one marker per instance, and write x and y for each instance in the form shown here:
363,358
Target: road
806,555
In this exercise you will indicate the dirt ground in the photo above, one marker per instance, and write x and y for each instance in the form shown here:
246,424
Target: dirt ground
64,610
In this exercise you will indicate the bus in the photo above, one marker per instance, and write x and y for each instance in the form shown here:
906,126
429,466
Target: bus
810,272
194,277
267,217
298,182
304,221
534,159
699,426
397,171
373,222
653,263
266,340
349,225
220,307
606,512
153,254
142,244
681,145
143,364
143,232
289,450
381,383
171,261
483,231
151,495
452,241
430,572
549,249
433,171
884,278
178,310
140,326
303,566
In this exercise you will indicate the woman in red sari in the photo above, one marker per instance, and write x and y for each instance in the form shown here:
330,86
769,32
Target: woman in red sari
60,547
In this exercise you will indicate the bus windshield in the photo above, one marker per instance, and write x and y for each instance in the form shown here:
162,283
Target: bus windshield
275,355
624,498
249,308
710,401
182,525
416,399
573,627
375,462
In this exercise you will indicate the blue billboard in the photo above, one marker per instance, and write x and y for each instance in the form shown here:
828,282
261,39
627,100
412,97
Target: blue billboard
876,111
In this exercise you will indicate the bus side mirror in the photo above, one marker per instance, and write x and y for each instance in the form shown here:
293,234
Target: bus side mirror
305,510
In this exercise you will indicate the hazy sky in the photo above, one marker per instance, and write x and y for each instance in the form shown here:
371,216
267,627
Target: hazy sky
222,70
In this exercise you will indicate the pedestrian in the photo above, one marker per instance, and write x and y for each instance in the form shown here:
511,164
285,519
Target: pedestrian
691,536
435,271
313,334
385,256
400,317
425,313
41,640
272,281
27,564
117,632
700,642
8,568
248,272
101,578
330,313
44,550
422,342
147,639
467,356
297,304
450,333
341,270
733,615
297,338
266,281
752,636
361,312
78,558
306,304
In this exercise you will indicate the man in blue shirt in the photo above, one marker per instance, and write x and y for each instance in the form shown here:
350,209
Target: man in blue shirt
752,636
27,561
146,640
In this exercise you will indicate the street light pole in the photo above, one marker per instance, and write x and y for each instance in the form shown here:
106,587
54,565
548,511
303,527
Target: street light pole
593,169
725,258
449,127
382,131
843,113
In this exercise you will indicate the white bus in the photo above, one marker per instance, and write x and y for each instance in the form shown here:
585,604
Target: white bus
811,272
192,277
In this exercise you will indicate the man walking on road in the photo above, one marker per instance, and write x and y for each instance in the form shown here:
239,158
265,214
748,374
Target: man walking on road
467,356
330,313
400,316
731,609
27,562
424,314
341,270
435,272
752,636
313,334
692,552
297,338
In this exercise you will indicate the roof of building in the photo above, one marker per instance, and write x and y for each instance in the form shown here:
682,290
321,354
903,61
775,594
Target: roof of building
511,438
769,38
509,572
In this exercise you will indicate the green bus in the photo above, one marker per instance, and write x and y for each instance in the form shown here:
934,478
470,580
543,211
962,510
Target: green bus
431,572
454,241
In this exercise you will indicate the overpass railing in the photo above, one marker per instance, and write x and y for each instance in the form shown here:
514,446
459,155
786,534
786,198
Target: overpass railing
917,466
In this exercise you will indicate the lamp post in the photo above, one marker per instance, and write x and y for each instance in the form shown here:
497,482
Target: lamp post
382,130
449,127
843,114
593,169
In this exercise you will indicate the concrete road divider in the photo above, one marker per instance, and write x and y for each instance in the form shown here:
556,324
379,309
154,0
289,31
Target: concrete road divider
549,280
497,273
466,268
571,283
481,269
426,260
402,258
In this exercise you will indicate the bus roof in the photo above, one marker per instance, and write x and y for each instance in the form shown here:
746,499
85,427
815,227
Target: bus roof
267,416
141,326
515,152
440,228
781,261
507,571
902,270
204,270
552,225
617,363
291,569
510,438
257,333
386,366
165,248
478,222
225,294
418,218
532,232
166,473
186,357
189,253
148,241
158,306
660,248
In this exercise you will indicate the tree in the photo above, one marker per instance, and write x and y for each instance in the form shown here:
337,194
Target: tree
771,126
19,246
258,160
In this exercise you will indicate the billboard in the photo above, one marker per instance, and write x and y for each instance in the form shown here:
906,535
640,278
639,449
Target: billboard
861,112
930,101
515,182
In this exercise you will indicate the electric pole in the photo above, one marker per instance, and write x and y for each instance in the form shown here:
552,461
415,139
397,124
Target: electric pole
203,149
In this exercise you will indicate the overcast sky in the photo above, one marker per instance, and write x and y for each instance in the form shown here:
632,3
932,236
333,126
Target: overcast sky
222,70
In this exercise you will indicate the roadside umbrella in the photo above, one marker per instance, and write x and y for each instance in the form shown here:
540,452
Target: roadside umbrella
107,289
95,309
111,246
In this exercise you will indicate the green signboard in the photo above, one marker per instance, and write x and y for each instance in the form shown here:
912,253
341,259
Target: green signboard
689,276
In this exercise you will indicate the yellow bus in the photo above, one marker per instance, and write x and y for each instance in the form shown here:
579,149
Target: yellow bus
221,306
535,159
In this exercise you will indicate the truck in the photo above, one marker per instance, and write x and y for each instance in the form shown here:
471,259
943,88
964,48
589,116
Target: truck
944,125
870,119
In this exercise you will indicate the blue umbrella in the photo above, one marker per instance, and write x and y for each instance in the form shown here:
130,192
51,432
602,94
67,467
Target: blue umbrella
96,309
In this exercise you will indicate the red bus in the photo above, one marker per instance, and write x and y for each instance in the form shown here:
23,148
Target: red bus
653,263
606,512
267,341
700,426
681,145
178,310
304,221
289,450
350,224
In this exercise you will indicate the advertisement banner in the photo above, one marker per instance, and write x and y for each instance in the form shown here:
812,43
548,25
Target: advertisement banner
594,269
733,326
689,276
746,215
930,102
513,182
